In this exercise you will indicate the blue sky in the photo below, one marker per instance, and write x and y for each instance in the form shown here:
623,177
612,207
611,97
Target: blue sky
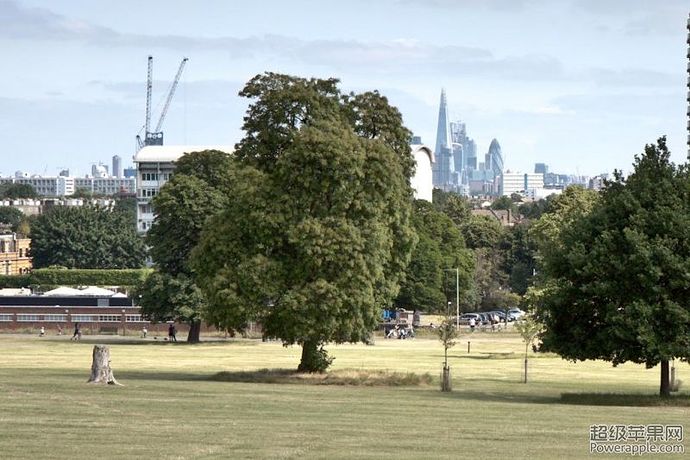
581,85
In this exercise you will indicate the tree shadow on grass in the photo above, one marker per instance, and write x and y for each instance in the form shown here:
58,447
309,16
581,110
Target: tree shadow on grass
631,400
288,376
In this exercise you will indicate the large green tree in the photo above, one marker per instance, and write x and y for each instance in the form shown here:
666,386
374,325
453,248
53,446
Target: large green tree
10,217
14,191
617,276
430,279
86,237
194,194
316,236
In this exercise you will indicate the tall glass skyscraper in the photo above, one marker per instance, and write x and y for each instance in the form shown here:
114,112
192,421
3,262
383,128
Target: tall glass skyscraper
456,166
443,171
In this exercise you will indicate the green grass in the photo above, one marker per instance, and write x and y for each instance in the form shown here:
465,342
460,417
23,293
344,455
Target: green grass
217,400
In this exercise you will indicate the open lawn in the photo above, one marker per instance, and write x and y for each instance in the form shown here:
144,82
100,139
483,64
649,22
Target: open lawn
176,404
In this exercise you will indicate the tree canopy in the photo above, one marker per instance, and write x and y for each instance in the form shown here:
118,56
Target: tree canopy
194,194
86,237
617,279
430,278
10,217
316,236
13,191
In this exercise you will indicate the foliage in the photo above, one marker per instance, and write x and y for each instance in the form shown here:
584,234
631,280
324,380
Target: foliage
10,217
127,204
316,236
430,277
456,207
563,211
15,281
618,275
519,261
482,232
195,193
12,191
88,277
164,297
447,334
529,329
535,209
504,202
85,237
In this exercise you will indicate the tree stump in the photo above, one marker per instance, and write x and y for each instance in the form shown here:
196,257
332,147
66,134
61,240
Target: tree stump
100,366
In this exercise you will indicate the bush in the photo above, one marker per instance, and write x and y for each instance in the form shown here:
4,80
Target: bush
53,277
15,281
89,277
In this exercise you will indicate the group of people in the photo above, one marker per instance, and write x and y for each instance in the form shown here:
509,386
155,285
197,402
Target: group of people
172,332
404,332
493,319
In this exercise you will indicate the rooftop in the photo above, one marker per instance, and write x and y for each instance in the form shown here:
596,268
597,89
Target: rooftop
169,153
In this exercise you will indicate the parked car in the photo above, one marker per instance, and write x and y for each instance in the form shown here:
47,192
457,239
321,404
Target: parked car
501,314
465,318
516,313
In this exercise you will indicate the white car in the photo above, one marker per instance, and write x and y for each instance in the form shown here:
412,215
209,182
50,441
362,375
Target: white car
515,313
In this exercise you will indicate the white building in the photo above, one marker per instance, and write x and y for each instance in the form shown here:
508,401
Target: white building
522,183
52,186
421,182
106,185
541,193
155,165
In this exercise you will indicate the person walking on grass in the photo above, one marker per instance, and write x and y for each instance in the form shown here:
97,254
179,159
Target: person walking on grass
77,332
171,333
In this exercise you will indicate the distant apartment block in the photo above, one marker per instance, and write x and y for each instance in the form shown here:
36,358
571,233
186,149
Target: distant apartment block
58,186
155,165
517,182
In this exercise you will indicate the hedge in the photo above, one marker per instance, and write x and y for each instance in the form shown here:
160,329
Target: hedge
76,277
15,281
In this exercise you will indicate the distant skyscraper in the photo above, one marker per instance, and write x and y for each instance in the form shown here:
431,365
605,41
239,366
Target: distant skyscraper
442,130
130,172
444,167
493,162
541,168
117,166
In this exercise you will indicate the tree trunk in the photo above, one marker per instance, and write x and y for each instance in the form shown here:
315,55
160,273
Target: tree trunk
100,366
194,331
446,382
665,387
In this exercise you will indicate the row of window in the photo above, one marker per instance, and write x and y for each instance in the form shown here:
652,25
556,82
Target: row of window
148,192
155,176
32,318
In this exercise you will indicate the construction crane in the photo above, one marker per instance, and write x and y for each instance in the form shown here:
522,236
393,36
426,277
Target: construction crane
156,137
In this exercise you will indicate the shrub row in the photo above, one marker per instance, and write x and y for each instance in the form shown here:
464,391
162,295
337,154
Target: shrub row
76,277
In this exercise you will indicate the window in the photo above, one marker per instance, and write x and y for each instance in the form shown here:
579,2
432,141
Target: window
83,318
6,317
55,318
109,318
27,318
134,319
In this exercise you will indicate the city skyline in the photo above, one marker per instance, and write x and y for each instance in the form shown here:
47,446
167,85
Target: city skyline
580,85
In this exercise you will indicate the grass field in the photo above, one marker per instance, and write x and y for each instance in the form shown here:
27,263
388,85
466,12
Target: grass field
175,405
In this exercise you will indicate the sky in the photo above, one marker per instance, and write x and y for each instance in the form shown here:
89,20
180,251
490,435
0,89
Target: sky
581,85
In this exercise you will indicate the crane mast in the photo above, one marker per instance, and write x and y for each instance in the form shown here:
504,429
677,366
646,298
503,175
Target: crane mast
156,137
149,87
171,93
